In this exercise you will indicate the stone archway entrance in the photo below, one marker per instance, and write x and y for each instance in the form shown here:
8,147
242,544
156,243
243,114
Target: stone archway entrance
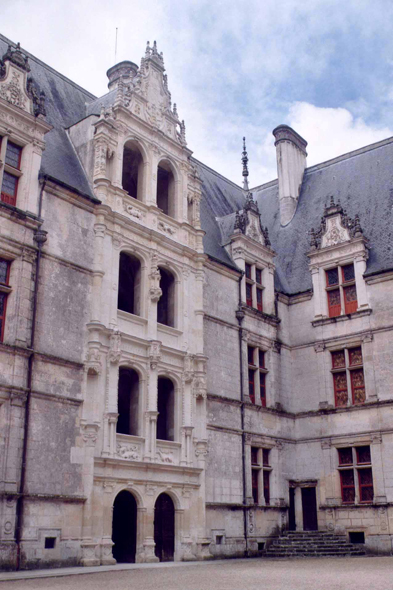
124,527
164,528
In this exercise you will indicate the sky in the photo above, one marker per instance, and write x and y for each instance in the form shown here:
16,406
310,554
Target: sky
324,67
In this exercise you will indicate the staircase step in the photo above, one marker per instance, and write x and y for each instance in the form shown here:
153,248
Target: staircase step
312,544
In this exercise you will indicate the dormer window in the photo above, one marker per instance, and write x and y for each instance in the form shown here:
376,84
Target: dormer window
254,286
11,174
341,290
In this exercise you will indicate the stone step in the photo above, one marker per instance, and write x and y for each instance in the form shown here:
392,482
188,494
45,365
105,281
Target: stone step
312,544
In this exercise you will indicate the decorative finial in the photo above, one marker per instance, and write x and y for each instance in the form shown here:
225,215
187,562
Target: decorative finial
148,50
245,168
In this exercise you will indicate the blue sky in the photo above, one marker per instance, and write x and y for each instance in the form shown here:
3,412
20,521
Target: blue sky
239,68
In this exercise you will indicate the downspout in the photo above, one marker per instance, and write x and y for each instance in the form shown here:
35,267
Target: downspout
40,239
240,318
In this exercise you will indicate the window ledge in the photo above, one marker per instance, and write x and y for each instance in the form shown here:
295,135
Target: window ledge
169,330
341,318
131,317
170,444
269,319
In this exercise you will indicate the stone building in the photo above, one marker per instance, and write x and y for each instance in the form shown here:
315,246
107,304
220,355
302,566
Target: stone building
189,368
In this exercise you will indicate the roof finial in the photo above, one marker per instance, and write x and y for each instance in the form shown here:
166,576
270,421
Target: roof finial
245,168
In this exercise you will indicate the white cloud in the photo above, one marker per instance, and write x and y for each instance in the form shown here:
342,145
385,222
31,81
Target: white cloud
332,132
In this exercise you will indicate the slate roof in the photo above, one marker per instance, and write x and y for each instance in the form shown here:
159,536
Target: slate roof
362,180
65,104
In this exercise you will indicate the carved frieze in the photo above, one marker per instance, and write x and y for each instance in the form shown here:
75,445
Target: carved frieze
154,353
128,451
93,364
115,347
336,227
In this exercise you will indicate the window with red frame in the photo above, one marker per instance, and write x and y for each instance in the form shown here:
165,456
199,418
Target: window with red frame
258,280
341,290
9,187
356,459
4,290
256,375
347,367
260,472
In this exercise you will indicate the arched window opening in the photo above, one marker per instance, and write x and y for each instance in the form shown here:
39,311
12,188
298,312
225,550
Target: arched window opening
128,402
164,528
124,527
132,177
166,189
166,303
129,296
166,409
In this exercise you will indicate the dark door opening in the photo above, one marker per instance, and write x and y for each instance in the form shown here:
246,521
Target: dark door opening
164,528
309,504
124,527
291,515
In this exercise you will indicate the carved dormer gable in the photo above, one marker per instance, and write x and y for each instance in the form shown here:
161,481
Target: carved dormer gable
145,92
248,222
336,227
16,86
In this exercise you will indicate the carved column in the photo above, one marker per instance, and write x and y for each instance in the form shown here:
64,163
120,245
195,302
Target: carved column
154,296
315,275
99,236
360,269
268,294
378,468
89,433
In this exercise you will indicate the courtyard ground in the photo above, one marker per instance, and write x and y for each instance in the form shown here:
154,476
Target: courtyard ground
361,573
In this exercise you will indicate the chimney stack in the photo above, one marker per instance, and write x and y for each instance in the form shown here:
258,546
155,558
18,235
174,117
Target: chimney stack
291,163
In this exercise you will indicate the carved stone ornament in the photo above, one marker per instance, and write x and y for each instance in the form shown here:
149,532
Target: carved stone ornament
15,87
336,227
89,433
133,211
129,451
164,456
188,374
154,353
248,222
199,388
93,364
155,291
146,94
201,448
102,153
167,229
115,347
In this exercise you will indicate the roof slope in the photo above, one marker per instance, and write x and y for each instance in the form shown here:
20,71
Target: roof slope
65,104
363,182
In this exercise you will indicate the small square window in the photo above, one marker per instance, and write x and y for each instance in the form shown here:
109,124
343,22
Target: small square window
219,539
363,455
332,277
254,456
338,359
265,457
250,355
248,271
50,542
345,456
13,155
258,276
356,537
348,273
355,356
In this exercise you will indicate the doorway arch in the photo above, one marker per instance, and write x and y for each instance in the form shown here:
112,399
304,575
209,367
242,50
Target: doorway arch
124,525
164,528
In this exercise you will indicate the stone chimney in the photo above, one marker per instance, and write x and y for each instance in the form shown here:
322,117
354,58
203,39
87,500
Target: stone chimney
291,163
126,70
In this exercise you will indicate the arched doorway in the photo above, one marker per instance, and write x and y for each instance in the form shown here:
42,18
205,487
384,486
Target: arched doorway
164,528
124,527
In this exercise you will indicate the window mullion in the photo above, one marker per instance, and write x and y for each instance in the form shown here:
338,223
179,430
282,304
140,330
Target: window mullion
3,149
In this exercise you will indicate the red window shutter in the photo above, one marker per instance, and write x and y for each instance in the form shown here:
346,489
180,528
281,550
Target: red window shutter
340,389
259,300
358,389
366,488
347,486
363,455
255,490
262,386
251,385
249,294
350,299
266,487
334,303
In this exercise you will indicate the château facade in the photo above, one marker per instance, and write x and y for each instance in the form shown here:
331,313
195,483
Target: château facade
188,368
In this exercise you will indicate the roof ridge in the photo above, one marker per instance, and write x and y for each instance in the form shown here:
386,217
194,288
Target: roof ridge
52,70
217,174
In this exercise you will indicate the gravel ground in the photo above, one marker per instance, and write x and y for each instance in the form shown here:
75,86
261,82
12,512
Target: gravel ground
254,574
